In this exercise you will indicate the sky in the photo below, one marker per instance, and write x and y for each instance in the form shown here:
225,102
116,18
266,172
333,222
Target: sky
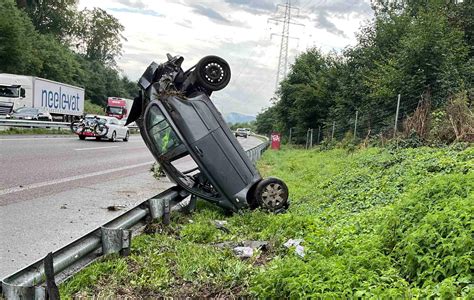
237,30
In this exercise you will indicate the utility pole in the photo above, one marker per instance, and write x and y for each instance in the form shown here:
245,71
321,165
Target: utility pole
285,36
396,117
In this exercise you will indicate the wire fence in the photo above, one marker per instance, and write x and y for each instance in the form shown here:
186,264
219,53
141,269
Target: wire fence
359,125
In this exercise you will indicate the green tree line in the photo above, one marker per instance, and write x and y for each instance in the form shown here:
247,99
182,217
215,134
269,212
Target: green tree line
418,49
54,40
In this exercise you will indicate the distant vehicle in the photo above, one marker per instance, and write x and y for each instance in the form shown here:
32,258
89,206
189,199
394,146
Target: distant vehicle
242,132
118,107
62,101
100,127
28,113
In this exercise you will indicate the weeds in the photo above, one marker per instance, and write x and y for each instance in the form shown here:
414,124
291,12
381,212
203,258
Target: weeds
376,223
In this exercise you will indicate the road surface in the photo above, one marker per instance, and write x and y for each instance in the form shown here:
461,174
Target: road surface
54,189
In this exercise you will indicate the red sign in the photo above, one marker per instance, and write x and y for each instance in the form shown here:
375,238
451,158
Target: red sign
276,140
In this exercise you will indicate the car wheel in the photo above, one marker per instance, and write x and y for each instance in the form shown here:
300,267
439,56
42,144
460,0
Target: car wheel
114,137
82,137
125,139
212,73
271,193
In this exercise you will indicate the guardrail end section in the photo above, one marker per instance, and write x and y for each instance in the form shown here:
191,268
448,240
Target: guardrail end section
17,292
116,240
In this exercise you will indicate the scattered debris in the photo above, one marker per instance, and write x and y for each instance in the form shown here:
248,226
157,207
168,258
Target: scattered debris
244,249
64,206
115,207
257,245
243,252
295,243
221,225
227,244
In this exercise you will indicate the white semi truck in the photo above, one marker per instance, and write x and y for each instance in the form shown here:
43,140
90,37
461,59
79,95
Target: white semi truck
63,101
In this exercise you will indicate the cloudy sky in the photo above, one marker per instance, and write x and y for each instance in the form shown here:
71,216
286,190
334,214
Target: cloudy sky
237,30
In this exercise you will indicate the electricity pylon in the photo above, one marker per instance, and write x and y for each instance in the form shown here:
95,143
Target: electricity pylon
285,36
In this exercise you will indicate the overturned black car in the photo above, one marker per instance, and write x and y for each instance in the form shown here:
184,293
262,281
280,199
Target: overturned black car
177,119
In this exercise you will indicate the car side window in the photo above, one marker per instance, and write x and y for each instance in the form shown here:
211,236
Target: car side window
161,134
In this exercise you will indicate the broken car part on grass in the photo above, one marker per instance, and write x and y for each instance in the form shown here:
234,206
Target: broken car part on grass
177,119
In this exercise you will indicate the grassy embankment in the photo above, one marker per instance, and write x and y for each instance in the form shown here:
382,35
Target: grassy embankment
375,223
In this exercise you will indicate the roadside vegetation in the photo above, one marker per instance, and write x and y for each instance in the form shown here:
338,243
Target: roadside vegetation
57,41
34,131
374,222
422,50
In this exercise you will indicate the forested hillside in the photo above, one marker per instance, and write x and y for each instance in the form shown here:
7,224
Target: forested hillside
54,40
418,49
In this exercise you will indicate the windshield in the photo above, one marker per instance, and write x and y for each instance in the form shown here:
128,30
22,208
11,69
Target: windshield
9,91
161,134
114,110
27,110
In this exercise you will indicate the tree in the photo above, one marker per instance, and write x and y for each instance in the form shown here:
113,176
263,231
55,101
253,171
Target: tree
16,40
99,36
54,17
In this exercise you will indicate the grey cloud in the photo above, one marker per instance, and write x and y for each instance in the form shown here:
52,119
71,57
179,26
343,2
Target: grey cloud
323,22
210,13
340,6
254,6
134,4
147,12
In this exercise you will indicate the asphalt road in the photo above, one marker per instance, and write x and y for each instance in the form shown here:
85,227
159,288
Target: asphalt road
54,189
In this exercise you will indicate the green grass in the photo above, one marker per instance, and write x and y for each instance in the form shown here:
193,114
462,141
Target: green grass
376,223
14,131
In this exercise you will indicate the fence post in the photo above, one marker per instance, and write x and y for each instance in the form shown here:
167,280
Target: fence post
319,134
289,139
355,124
396,118
333,128
307,138
311,139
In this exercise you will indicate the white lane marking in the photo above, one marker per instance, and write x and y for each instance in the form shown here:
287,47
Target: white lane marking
35,139
67,179
95,148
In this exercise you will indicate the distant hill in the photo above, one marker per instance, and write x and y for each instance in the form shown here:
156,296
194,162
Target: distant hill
234,117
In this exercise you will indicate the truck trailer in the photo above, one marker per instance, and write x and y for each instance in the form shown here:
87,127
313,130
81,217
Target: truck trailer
63,101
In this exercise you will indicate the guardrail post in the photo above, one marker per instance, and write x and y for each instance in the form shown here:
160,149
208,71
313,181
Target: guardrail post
116,240
160,207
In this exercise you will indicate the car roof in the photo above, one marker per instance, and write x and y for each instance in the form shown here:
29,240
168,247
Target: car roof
99,116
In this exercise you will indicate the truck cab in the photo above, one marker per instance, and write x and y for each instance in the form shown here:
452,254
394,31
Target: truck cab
118,107
13,92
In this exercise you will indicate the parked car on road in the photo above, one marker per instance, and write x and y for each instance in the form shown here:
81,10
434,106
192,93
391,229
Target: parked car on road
242,132
31,113
100,127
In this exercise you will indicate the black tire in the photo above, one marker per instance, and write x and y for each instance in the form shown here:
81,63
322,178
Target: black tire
212,73
74,125
114,137
82,137
127,135
272,194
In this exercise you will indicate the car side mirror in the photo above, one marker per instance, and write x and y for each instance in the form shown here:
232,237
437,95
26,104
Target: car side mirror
22,93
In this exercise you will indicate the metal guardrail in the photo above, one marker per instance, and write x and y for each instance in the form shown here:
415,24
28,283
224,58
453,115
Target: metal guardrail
33,124
40,124
113,237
